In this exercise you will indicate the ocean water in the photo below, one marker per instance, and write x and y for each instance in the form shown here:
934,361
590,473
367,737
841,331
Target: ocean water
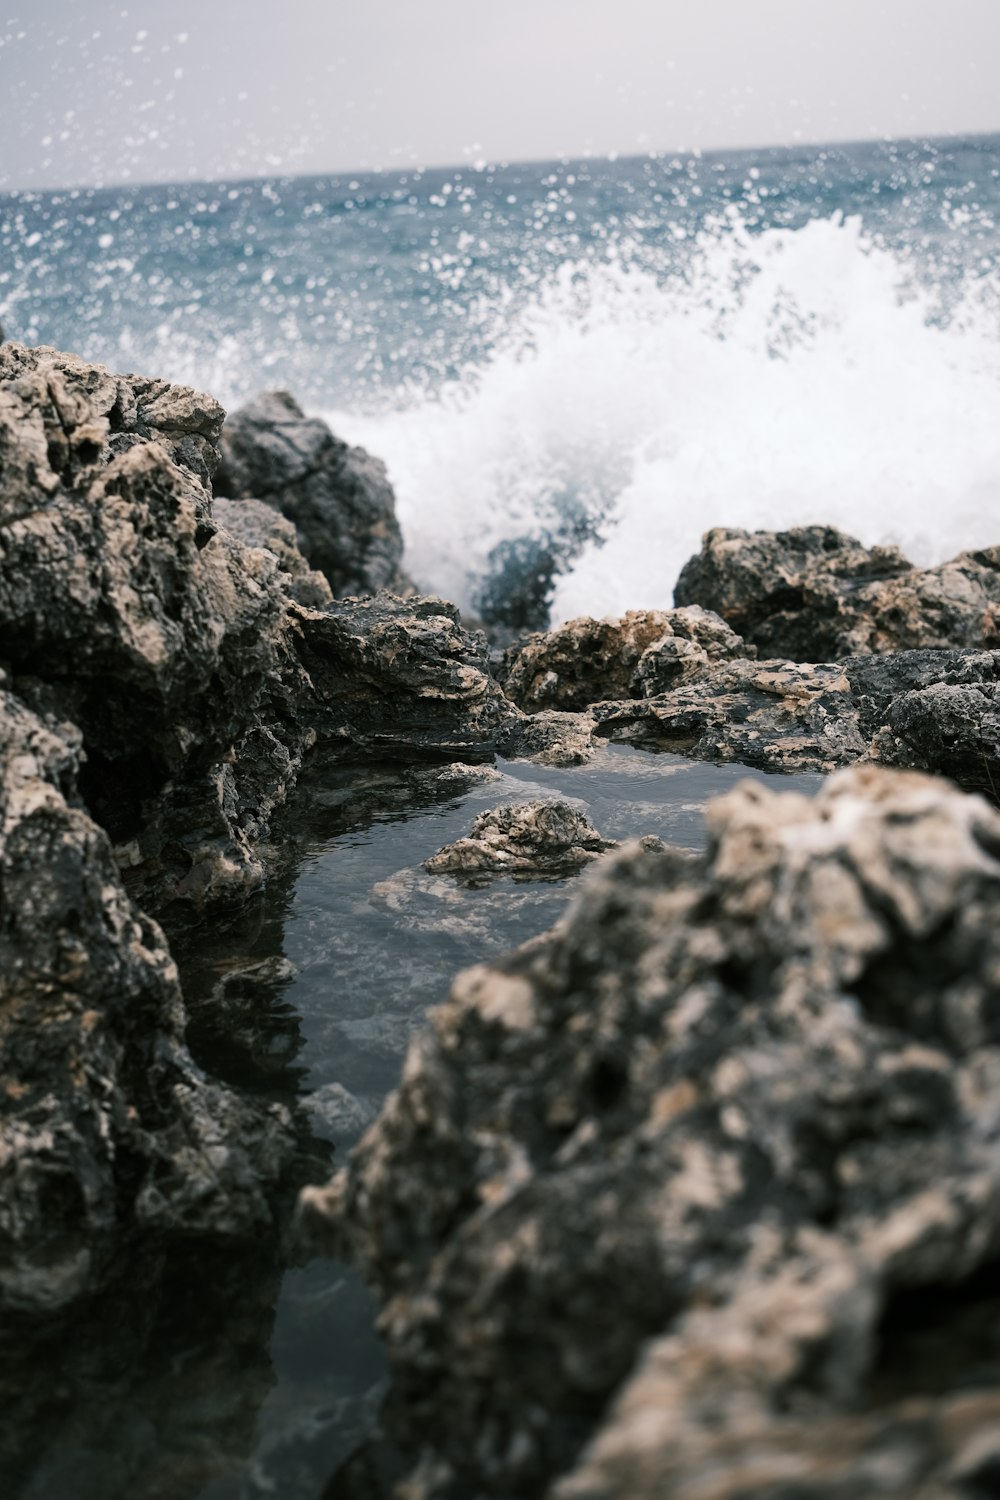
578,366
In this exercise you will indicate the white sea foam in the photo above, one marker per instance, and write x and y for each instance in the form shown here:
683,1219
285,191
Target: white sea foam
793,377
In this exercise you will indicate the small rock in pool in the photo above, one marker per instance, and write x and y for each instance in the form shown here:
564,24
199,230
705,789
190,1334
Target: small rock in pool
524,839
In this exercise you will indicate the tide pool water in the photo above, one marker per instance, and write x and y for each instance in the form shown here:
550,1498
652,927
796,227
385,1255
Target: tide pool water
585,362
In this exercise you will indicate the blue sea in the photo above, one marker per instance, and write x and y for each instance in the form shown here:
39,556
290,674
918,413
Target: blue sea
601,358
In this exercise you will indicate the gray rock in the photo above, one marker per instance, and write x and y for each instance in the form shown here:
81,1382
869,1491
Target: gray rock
70,418
338,498
124,609
644,652
926,710
549,737
814,594
389,675
685,1154
258,525
107,1129
197,681
773,715
754,1398
529,840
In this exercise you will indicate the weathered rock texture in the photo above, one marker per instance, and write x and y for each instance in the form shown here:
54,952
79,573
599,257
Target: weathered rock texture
160,686
124,609
258,525
773,715
643,653
338,498
690,1148
399,676
106,1127
177,646
928,710
814,594
523,839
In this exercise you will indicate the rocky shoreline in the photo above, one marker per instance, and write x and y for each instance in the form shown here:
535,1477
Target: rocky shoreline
653,1188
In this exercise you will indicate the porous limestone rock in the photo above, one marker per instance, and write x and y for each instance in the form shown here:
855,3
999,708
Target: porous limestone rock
107,1129
550,737
399,676
127,611
260,525
338,498
927,710
814,594
177,646
656,1182
525,839
643,653
773,715
757,1397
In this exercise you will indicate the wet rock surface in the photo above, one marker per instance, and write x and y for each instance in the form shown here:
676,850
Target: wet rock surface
160,687
776,715
528,840
636,656
127,611
338,498
398,676
109,1132
926,710
814,594
622,1248
176,644
603,1174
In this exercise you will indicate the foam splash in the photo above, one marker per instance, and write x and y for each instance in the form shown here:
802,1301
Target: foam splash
784,378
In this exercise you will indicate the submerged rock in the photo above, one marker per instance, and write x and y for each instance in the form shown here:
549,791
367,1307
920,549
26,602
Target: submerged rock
338,498
814,594
688,1150
528,840
636,656
107,1128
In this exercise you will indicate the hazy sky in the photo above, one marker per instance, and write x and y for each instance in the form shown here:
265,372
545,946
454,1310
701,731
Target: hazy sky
103,90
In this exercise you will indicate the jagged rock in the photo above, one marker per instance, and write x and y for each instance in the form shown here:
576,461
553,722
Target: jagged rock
338,498
549,737
525,839
106,1126
926,710
814,594
260,525
736,1105
643,653
125,610
68,419
773,715
197,682
708,1412
936,710
394,675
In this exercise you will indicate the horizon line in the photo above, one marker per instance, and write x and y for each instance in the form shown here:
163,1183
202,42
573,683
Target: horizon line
564,160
